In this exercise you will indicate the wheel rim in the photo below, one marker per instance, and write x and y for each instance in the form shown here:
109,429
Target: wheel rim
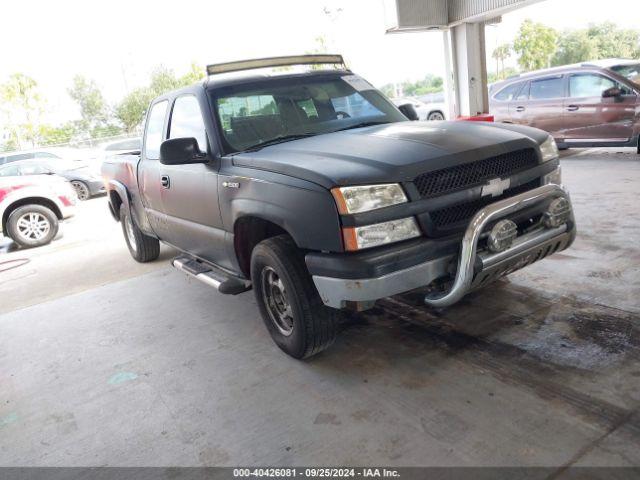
131,237
81,190
33,226
436,116
275,299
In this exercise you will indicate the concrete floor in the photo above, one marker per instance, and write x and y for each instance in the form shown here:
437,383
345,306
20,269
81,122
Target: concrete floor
107,362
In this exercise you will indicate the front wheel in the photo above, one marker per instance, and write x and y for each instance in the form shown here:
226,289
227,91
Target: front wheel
32,225
297,320
435,116
142,248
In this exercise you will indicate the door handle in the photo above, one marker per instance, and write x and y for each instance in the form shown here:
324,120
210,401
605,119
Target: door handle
165,181
520,109
573,108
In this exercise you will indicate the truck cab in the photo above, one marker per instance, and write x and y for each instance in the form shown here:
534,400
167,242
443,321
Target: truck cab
316,191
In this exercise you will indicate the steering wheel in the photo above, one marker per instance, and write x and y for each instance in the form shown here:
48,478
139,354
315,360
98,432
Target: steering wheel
340,114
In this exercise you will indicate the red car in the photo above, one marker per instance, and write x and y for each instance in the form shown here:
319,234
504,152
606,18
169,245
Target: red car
594,104
32,206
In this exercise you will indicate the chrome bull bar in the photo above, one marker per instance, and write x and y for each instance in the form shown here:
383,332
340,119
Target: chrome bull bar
462,283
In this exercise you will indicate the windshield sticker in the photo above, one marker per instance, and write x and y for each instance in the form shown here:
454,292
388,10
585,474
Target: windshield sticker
358,83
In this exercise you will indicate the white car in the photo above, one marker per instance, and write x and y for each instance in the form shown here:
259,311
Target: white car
425,111
32,206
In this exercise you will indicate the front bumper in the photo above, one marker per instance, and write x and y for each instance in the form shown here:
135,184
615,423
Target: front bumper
475,267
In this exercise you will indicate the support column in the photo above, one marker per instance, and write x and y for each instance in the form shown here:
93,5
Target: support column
469,69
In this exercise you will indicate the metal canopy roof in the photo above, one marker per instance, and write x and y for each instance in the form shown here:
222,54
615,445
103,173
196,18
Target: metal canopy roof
424,15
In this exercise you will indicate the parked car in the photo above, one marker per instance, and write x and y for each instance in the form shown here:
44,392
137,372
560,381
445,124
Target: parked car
594,104
314,190
86,183
425,111
53,153
32,206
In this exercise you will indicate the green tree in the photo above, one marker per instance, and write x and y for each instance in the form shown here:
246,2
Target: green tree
597,41
93,108
62,134
130,111
535,44
500,54
22,106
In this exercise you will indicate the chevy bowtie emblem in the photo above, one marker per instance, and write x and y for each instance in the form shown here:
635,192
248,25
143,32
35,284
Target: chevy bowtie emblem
495,187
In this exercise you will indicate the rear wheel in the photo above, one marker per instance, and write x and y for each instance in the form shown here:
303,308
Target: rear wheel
297,320
32,225
435,116
142,248
82,190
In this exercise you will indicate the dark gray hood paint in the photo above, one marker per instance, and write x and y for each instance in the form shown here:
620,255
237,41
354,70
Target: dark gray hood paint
394,152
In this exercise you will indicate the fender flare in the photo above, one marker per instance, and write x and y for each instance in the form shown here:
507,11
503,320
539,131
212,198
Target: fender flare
123,193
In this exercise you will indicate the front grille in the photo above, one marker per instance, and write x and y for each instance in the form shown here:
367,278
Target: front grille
476,173
464,211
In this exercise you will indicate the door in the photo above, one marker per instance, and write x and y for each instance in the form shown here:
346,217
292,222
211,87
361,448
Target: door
542,105
499,105
190,192
518,106
149,170
590,117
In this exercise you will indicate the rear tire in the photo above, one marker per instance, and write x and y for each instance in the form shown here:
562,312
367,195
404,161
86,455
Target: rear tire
32,226
82,190
142,248
437,115
297,320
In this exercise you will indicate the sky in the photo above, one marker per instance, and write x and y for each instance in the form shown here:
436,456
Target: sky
117,43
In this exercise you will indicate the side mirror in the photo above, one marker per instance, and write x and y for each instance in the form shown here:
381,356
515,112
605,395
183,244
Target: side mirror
181,151
611,92
409,111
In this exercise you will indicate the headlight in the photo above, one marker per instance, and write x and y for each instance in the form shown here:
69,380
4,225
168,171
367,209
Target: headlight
549,149
368,197
357,238
554,176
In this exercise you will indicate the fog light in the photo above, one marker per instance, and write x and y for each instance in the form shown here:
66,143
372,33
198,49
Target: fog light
559,212
502,235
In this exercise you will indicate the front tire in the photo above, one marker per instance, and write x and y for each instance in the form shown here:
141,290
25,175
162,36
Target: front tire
297,320
142,248
435,116
32,226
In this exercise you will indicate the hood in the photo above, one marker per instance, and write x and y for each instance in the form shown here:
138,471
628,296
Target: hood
394,152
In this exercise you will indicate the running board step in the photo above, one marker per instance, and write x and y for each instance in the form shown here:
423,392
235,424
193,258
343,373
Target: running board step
211,275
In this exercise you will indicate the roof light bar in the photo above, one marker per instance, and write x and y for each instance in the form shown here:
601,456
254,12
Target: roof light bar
321,59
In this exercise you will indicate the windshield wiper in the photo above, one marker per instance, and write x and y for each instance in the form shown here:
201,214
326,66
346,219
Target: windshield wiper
276,140
361,124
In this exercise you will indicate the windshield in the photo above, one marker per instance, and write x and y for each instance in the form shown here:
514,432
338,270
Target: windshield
632,72
280,109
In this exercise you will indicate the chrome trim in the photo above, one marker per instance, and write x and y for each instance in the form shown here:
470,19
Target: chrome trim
203,277
593,140
467,257
521,245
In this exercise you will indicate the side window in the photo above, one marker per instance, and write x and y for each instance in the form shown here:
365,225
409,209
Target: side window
186,121
524,93
44,155
33,170
546,88
153,133
20,156
509,92
11,171
588,85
